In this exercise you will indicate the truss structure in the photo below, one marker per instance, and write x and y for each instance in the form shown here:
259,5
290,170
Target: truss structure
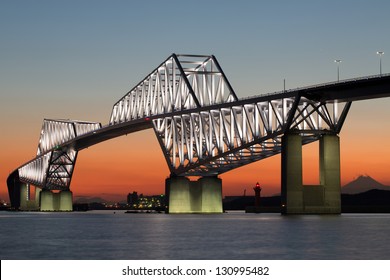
56,132
53,167
212,141
202,127
181,82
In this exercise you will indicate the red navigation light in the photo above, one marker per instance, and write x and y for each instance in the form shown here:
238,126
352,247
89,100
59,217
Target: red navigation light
257,184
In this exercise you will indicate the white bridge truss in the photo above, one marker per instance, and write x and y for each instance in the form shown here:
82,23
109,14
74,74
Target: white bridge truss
181,82
202,127
212,141
56,132
53,167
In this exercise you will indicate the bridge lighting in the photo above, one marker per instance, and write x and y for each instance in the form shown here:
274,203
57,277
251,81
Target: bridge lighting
338,68
380,61
207,141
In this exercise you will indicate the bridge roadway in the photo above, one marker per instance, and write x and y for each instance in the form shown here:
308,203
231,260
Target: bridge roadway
259,119
364,88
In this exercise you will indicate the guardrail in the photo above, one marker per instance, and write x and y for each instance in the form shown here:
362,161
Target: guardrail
316,86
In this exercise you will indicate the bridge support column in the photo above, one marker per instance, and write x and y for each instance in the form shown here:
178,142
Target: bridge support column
60,201
202,196
314,199
37,197
330,176
47,200
66,201
24,196
211,197
292,190
26,204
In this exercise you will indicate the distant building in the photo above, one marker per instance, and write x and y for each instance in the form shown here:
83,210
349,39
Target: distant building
132,199
151,202
136,201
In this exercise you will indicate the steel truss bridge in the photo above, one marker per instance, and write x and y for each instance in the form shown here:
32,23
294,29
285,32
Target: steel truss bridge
202,127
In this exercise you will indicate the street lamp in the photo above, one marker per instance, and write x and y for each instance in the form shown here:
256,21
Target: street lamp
338,68
380,61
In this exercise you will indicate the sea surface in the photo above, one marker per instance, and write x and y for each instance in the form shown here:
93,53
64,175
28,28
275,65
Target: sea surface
100,235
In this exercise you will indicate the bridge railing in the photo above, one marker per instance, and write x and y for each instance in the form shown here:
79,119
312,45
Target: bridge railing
316,86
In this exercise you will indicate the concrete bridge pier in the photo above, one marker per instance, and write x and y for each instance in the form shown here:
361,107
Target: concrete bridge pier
26,203
314,199
60,201
66,201
201,196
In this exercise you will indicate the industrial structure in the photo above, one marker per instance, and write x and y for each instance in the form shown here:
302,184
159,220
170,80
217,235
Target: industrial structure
204,130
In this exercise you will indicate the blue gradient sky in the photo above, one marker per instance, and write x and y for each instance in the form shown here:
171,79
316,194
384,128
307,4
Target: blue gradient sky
75,59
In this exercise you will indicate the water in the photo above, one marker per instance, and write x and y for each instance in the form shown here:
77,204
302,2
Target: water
234,235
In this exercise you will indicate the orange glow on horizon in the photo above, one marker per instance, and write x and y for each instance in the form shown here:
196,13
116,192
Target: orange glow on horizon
136,163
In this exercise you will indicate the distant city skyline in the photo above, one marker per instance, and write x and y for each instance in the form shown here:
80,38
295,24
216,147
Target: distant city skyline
75,59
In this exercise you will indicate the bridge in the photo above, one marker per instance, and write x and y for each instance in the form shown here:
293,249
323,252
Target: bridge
204,130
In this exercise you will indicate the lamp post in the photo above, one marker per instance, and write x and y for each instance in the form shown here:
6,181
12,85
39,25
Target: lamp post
380,61
338,68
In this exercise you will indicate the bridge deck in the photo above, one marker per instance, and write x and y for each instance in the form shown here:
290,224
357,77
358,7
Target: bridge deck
363,88
202,127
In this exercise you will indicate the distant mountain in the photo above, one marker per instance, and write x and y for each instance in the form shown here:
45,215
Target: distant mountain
363,184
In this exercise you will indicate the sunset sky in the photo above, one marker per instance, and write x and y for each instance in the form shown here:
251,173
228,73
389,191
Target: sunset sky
75,59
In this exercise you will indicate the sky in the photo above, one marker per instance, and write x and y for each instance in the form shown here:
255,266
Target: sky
74,59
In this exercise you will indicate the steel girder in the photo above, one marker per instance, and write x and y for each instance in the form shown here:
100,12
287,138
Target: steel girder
181,82
56,132
35,171
53,167
213,141
207,142
202,127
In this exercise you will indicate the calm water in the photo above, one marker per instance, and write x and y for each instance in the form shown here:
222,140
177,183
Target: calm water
234,235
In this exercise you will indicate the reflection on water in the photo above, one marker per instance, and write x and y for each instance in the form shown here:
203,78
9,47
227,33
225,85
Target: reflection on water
233,235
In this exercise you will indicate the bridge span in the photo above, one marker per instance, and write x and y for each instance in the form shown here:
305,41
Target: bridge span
205,130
